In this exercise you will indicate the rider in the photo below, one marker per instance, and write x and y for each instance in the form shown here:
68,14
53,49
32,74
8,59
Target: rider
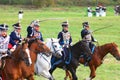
65,39
4,41
36,32
15,35
30,28
86,35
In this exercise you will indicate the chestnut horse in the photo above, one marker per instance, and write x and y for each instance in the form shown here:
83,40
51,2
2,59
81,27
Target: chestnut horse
12,69
98,56
35,47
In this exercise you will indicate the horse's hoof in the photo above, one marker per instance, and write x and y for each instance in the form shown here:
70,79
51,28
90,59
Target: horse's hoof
88,79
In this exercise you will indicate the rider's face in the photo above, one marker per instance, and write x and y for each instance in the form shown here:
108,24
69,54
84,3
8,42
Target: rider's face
37,28
87,27
18,30
4,33
65,28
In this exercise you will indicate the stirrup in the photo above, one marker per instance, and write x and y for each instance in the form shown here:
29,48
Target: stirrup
86,64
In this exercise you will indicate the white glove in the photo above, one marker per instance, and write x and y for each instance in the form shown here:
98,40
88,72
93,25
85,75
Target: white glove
12,50
95,40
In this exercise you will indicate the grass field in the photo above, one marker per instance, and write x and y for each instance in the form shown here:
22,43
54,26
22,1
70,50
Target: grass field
110,70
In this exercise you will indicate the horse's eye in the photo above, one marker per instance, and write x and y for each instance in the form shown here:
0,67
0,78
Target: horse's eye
55,46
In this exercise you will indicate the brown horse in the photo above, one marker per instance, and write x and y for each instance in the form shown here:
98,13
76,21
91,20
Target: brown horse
35,46
98,56
12,69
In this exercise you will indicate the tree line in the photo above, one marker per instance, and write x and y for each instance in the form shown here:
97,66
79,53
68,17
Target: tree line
48,3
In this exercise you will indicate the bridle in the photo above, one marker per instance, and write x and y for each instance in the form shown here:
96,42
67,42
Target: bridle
54,47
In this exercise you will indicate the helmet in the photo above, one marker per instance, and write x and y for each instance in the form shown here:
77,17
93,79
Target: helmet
17,26
85,24
3,27
35,23
64,23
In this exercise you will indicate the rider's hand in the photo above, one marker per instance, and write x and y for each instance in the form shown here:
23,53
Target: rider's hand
95,40
12,50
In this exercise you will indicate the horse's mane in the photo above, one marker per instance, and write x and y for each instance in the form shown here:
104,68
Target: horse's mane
54,39
109,44
17,49
80,44
79,48
31,41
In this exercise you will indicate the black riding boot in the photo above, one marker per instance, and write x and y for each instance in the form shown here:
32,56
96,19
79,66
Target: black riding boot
87,60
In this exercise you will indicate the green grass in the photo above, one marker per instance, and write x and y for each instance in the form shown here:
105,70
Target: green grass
110,70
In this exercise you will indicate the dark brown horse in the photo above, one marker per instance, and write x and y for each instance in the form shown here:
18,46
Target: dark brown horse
76,50
35,46
12,69
98,56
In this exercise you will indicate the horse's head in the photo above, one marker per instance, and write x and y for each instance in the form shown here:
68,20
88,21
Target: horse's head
38,46
114,50
55,47
25,53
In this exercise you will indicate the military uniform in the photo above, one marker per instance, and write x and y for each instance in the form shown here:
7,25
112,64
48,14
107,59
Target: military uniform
39,35
86,36
65,38
15,35
30,29
65,41
4,41
20,15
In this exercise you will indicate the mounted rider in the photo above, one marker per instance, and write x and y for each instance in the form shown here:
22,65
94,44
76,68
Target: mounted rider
86,36
15,35
4,41
30,28
33,30
65,39
36,32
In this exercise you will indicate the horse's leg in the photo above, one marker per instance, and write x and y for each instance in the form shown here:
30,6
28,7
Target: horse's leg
68,74
30,78
51,71
73,72
92,73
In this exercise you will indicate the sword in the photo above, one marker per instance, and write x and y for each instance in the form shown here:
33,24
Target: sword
102,28
50,19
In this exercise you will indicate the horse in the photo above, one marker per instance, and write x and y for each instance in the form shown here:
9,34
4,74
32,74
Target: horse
75,51
98,56
35,46
12,68
43,63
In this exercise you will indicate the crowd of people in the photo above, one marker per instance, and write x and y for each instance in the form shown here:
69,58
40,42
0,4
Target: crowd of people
100,11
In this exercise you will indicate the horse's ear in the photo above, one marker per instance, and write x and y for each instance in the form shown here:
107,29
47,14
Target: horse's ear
26,40
51,39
